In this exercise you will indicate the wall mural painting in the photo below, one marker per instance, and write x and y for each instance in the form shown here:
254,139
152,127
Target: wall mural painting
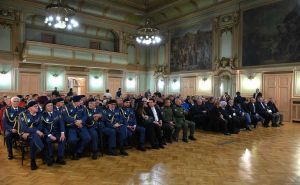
191,49
271,34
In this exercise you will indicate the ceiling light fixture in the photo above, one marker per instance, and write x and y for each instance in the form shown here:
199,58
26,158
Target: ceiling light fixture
148,34
60,15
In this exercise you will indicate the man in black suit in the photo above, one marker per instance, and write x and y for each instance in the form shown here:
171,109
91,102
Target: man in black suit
257,94
251,109
263,112
274,109
155,113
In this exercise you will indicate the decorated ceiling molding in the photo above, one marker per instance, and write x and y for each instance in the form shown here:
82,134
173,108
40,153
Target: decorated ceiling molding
134,11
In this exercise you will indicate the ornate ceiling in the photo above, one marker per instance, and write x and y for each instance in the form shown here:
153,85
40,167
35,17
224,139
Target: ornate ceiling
134,11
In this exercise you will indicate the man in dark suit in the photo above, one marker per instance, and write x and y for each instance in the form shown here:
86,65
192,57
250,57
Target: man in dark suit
257,94
251,109
263,112
274,110
155,113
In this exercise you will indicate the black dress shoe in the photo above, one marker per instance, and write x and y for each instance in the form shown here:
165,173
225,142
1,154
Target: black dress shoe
275,125
227,134
169,141
192,138
123,152
155,147
75,157
185,140
111,152
60,161
141,148
50,161
248,128
161,146
266,126
94,156
33,165
10,156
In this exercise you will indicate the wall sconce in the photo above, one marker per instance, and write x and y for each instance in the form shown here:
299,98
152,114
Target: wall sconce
251,76
55,75
130,79
174,80
204,79
3,72
96,77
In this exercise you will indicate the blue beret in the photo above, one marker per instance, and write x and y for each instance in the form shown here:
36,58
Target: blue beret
76,98
126,99
57,100
31,103
91,100
112,102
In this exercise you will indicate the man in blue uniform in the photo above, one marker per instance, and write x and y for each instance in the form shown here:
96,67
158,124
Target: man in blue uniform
58,103
54,130
10,120
93,124
113,119
31,129
132,128
75,116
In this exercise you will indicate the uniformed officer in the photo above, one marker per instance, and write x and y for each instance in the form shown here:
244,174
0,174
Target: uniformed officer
132,128
75,116
182,123
113,119
10,120
168,120
31,129
93,124
41,103
54,130
58,103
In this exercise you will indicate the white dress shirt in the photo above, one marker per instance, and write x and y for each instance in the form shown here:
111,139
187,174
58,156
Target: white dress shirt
155,114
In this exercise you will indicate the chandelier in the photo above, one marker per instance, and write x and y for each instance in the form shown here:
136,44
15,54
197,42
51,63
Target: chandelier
60,15
148,34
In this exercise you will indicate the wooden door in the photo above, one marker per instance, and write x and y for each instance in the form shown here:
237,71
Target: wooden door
284,95
29,83
113,84
270,89
188,86
279,87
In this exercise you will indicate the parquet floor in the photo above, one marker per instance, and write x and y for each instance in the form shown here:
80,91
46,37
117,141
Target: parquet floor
267,156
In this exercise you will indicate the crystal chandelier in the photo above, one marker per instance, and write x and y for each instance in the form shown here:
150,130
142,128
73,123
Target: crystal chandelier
60,15
148,34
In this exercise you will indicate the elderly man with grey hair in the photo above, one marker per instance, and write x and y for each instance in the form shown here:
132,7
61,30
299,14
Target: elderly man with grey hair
233,125
10,120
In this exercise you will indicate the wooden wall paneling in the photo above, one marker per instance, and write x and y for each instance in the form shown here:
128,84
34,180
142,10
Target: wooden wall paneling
113,84
188,87
29,83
